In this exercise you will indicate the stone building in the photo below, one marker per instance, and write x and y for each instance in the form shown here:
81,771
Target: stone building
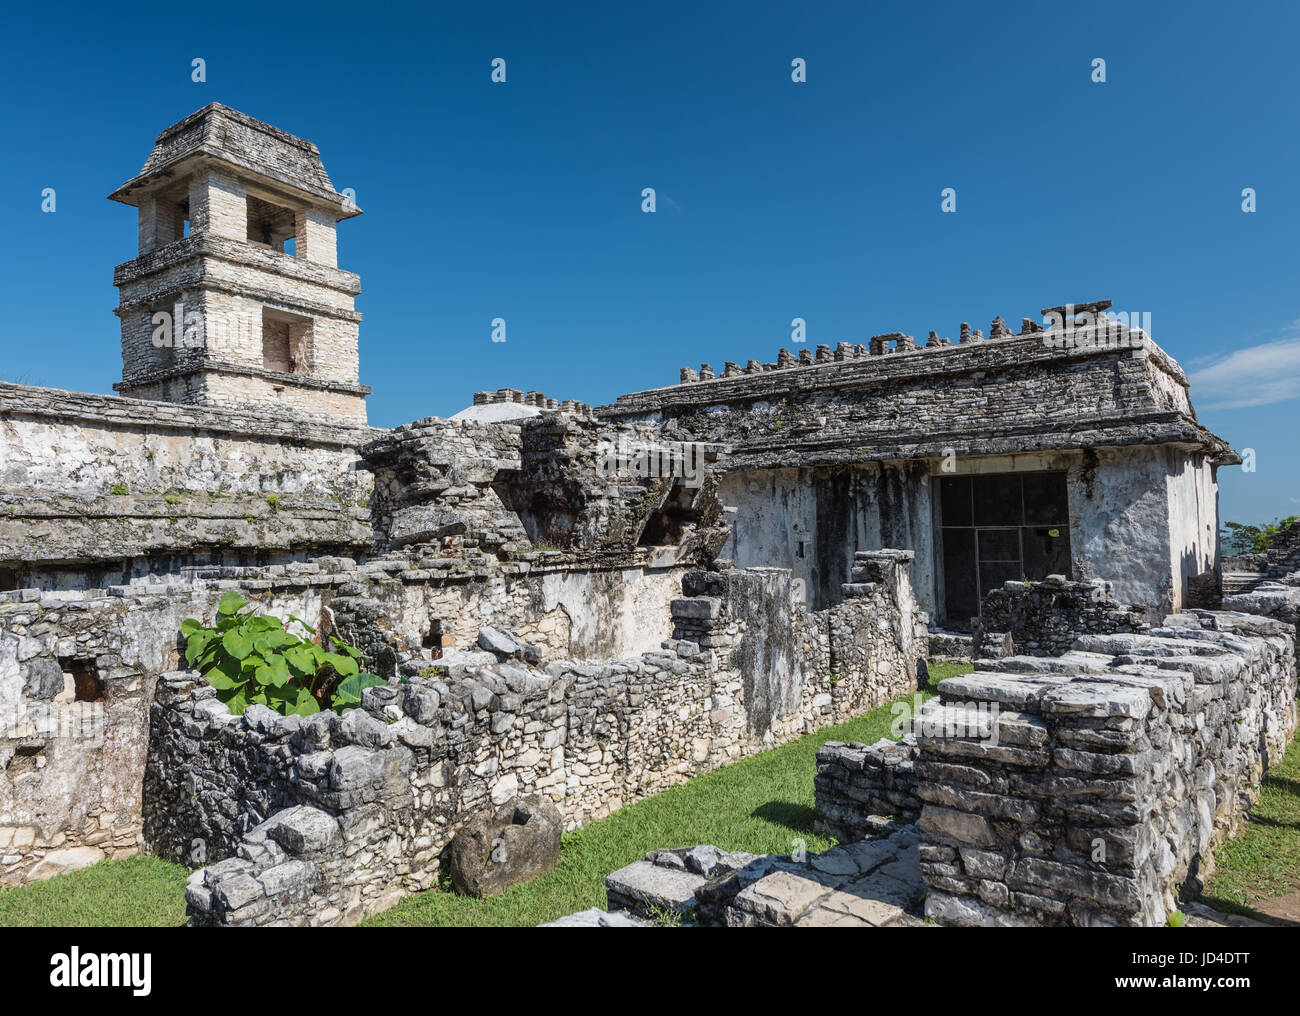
590,604
236,297
1069,449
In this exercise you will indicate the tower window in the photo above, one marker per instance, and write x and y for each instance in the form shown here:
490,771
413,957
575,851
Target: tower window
269,225
275,343
286,342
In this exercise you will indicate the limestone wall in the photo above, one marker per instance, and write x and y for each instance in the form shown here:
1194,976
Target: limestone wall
813,520
77,676
861,786
1045,618
71,759
1107,775
95,489
324,820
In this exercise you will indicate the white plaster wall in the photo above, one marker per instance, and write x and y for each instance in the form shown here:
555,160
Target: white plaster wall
614,614
1193,494
624,612
88,459
834,512
1120,524
1144,518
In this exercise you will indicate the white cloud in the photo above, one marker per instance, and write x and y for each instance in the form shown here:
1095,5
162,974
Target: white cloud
1253,376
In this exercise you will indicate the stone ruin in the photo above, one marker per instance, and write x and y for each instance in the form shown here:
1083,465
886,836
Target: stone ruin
1088,788
583,606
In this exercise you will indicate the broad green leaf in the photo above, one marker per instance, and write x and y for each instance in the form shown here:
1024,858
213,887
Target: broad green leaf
269,642
275,672
306,704
344,666
227,664
221,682
352,651
237,644
350,689
301,659
189,626
195,645
230,603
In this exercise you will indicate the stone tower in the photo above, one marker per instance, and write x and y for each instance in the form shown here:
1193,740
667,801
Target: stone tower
236,298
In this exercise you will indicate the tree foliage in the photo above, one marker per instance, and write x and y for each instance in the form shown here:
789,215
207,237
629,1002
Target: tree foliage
1242,538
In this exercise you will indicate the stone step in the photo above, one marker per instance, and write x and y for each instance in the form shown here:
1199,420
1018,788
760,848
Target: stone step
648,890
1241,582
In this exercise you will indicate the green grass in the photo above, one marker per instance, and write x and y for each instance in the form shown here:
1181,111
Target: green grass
1263,860
763,804
140,891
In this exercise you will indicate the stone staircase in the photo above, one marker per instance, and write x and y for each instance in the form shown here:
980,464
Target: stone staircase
1241,581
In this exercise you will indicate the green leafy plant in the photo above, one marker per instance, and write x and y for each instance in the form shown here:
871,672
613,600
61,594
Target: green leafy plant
1241,538
250,657
119,489
274,501
1176,919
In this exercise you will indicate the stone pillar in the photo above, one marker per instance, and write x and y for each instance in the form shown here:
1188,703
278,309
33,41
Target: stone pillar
315,237
161,223
218,206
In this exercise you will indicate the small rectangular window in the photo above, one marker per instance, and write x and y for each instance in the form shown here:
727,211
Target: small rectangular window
270,225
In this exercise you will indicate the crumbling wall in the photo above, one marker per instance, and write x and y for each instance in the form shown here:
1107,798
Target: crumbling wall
1114,773
1044,618
96,490
71,769
1088,788
77,676
859,788
813,520
379,792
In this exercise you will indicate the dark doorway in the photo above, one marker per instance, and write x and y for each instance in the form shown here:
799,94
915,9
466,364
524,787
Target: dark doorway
1000,526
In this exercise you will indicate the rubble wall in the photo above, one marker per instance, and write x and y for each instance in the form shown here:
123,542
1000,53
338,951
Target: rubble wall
368,801
1116,770
72,760
1044,618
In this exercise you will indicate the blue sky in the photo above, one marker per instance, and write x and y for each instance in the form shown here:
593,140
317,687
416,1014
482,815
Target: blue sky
776,200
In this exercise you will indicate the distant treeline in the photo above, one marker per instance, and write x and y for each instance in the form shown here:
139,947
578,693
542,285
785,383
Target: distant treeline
1242,538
